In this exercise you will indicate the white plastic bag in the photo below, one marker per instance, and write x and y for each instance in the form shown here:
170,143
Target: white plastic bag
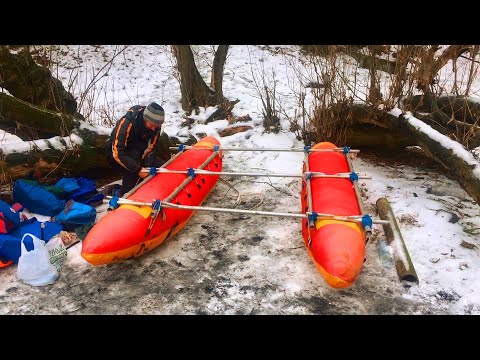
34,267
57,252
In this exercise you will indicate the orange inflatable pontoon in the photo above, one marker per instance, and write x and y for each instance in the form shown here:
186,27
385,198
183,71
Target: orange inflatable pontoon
336,247
123,233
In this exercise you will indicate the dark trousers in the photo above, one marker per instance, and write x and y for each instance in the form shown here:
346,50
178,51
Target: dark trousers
130,179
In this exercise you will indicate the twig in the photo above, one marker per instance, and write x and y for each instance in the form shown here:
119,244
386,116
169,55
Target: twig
95,80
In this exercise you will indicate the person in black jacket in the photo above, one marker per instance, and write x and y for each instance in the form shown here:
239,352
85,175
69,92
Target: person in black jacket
134,144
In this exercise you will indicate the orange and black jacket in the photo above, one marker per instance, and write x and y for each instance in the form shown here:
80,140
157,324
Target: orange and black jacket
130,141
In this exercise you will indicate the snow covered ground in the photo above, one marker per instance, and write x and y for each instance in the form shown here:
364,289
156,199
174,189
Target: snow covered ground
245,264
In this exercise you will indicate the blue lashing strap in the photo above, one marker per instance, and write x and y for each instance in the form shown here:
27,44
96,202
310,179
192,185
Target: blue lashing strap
367,221
346,150
113,203
181,147
306,148
313,216
153,170
216,147
191,173
157,205
353,176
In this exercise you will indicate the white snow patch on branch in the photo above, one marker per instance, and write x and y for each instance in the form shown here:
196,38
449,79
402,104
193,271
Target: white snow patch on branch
446,142
57,142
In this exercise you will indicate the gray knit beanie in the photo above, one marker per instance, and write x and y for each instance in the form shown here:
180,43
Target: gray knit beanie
154,113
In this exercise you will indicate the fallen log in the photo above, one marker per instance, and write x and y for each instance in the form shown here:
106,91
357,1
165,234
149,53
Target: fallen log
452,155
80,154
19,114
27,80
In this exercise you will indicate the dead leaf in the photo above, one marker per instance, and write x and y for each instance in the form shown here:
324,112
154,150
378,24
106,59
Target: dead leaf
468,245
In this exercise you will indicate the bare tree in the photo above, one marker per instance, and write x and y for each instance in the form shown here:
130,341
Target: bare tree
195,92
351,116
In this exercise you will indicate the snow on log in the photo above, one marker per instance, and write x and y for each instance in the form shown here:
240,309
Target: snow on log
452,155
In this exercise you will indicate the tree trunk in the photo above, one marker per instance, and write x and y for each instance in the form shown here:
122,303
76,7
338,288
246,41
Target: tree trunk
195,92
26,80
429,66
217,71
31,122
360,135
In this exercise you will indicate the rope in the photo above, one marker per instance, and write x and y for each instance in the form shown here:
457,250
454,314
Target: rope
309,235
156,208
232,187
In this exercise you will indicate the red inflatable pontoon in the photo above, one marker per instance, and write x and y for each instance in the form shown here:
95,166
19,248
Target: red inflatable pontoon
337,247
122,233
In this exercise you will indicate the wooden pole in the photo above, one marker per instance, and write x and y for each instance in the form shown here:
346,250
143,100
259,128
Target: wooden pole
189,178
403,262
311,223
368,230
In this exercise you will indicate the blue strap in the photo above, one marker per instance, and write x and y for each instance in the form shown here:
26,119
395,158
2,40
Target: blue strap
308,175
114,202
191,173
346,150
367,221
156,205
216,147
181,147
306,149
153,170
313,216
353,176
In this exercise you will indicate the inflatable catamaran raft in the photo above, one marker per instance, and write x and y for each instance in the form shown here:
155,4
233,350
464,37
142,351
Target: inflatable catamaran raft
334,225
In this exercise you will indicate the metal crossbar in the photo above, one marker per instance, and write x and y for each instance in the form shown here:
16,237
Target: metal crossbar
206,172
307,175
165,204
338,149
